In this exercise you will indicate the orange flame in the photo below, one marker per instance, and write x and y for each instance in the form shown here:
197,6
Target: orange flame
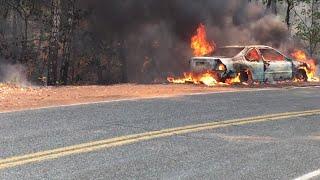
209,78
234,80
301,56
199,43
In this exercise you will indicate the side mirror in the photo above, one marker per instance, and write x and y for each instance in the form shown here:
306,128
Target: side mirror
288,59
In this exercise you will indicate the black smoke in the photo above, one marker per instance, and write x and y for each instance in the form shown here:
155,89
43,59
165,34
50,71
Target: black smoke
156,33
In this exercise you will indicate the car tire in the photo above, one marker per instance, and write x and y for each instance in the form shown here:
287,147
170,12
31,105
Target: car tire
246,77
301,75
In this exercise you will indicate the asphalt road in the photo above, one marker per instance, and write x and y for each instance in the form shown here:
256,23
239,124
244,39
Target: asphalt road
279,149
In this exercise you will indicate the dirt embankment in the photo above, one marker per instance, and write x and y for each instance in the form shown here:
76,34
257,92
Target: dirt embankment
20,98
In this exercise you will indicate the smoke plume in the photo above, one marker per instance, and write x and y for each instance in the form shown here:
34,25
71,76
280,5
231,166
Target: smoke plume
157,33
14,74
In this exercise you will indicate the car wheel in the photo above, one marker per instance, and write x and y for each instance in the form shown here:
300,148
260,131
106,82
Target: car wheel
246,77
301,75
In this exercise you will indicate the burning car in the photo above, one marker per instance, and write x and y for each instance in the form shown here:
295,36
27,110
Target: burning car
243,64
251,63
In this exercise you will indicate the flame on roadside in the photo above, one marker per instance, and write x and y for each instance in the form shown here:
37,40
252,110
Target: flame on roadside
208,78
199,43
311,69
235,80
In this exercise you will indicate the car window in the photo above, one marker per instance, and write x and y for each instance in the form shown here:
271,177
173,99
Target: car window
228,52
271,55
202,63
253,55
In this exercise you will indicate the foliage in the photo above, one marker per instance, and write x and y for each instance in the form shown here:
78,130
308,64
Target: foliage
83,54
308,25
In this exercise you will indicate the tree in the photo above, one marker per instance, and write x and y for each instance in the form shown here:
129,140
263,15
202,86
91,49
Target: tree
290,6
308,26
54,43
68,27
25,9
272,6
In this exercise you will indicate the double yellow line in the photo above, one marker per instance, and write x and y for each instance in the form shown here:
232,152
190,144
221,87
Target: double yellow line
123,140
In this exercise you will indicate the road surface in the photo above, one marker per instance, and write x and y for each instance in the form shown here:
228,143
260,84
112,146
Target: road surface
273,134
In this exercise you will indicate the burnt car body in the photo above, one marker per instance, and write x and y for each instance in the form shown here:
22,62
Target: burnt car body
253,63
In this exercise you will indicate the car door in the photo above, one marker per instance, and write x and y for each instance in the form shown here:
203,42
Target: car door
253,61
276,66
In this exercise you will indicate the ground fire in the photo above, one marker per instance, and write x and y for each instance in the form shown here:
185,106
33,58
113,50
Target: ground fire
208,78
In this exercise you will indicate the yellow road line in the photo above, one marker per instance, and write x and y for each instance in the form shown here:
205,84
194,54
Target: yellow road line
123,140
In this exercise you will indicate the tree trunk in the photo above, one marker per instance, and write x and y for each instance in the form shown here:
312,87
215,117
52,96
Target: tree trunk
14,32
311,37
25,41
26,19
54,43
122,56
289,7
64,71
272,6
269,4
